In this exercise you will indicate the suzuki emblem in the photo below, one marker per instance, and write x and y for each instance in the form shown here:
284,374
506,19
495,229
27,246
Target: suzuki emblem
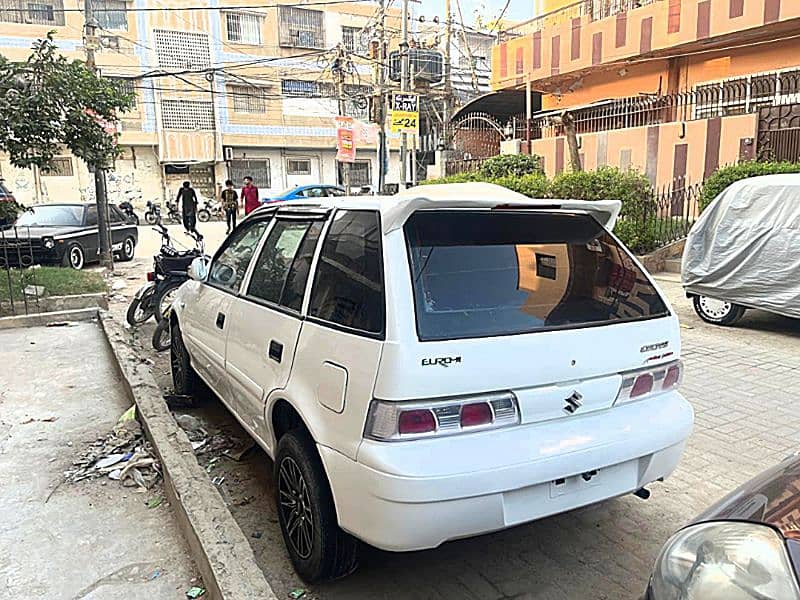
573,403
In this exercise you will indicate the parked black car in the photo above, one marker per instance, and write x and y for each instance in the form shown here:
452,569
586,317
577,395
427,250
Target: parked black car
746,546
64,234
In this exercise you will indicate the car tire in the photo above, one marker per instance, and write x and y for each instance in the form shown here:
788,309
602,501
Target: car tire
717,312
161,337
128,249
203,215
74,257
164,298
185,381
318,548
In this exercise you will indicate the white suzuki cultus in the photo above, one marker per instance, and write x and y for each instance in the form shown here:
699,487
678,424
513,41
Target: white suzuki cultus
440,364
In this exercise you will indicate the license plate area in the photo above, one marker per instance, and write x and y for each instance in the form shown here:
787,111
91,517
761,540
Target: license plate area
570,485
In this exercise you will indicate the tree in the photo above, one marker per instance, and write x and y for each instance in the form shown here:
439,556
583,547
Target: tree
48,103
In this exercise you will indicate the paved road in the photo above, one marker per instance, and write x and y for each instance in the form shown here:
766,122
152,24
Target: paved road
742,384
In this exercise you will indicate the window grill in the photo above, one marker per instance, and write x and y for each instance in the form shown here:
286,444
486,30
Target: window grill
357,101
354,40
298,166
258,169
38,13
248,99
126,86
182,49
301,28
190,115
111,14
244,28
360,173
60,166
301,88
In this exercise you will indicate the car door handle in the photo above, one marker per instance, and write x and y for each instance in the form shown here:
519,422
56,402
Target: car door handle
275,350
220,321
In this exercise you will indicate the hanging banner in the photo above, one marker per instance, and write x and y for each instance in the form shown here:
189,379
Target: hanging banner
365,134
345,140
405,113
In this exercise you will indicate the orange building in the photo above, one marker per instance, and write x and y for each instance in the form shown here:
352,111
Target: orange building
674,88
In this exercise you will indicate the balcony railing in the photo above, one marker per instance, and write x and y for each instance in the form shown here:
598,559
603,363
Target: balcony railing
594,9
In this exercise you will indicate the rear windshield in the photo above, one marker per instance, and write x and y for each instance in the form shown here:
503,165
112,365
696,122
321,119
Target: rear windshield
479,274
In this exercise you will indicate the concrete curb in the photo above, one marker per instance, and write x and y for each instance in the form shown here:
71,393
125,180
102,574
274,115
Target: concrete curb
218,545
38,319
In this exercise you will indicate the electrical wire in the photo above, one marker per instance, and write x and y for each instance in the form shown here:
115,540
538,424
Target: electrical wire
195,8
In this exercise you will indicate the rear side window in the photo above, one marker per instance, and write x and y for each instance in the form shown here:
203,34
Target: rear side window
480,274
348,286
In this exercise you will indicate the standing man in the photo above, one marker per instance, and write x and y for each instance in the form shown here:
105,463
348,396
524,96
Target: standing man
250,200
230,205
187,198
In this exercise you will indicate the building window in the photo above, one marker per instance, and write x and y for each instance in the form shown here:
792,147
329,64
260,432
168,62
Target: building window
189,115
39,13
182,49
111,14
300,88
298,166
248,99
301,28
61,166
258,169
357,101
244,28
126,87
354,40
360,173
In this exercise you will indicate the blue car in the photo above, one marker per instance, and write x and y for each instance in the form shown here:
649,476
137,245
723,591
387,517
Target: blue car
302,192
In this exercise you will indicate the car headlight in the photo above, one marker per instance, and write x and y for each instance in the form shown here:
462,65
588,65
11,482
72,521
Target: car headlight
48,243
724,561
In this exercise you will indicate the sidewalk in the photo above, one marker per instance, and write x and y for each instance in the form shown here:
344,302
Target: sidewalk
87,540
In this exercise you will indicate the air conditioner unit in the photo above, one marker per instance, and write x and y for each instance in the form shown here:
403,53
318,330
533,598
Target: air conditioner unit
111,42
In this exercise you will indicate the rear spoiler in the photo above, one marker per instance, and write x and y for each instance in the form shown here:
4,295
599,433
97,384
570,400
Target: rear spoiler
491,196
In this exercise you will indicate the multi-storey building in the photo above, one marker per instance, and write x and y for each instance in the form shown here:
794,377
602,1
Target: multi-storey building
674,88
221,92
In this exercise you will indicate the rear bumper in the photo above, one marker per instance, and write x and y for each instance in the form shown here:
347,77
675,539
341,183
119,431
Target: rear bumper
417,495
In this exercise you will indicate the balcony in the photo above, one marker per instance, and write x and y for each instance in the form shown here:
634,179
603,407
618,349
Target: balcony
576,39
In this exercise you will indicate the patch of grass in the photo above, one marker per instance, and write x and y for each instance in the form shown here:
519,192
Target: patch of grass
56,281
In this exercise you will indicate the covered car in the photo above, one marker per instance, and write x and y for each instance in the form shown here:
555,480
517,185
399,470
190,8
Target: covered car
744,251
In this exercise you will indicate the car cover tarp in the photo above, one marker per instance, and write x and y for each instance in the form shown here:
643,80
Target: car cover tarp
745,247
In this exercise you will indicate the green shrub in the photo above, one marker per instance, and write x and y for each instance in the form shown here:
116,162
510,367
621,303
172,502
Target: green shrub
517,165
534,185
639,235
725,176
606,183
457,178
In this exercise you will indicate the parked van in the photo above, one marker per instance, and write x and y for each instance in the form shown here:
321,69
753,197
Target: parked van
440,364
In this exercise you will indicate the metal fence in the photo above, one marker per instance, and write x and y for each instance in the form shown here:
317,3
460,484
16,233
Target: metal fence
466,165
19,289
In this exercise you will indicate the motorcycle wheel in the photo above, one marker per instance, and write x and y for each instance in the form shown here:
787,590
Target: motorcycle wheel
161,336
136,219
150,217
164,298
203,215
139,311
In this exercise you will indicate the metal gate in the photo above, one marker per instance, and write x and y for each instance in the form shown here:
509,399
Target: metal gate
476,136
779,133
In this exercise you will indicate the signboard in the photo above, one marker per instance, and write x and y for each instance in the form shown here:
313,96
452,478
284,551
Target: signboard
405,113
345,140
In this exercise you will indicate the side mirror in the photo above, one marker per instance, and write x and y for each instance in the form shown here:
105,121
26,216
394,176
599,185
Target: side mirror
198,270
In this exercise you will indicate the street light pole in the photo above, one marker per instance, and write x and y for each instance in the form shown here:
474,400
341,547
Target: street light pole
106,256
338,73
404,85
379,102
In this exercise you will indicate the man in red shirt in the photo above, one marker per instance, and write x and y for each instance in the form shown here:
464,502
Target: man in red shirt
250,200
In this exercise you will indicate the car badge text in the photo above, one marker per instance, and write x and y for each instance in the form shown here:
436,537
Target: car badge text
442,361
651,347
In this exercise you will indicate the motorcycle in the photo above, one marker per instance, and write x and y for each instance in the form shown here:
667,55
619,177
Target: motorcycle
172,212
211,209
170,271
127,209
153,213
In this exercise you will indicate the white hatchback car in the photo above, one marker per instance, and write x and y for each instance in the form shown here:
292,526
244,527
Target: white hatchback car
436,365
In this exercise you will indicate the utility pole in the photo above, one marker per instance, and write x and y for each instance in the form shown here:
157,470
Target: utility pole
448,73
404,85
90,44
338,74
379,102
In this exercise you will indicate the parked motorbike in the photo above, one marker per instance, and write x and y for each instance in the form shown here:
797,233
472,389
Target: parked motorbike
211,209
170,271
161,336
153,213
172,212
127,209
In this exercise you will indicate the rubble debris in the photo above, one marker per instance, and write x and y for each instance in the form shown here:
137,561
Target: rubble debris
34,290
155,575
195,592
155,502
257,535
219,480
197,445
297,593
238,452
44,420
118,285
109,460
61,324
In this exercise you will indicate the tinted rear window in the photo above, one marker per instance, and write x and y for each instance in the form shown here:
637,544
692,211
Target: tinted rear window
478,274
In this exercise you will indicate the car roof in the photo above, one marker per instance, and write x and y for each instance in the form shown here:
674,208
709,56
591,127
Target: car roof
395,210
84,204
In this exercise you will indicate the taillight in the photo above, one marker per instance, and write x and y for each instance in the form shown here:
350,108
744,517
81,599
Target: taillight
647,382
397,421
151,276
